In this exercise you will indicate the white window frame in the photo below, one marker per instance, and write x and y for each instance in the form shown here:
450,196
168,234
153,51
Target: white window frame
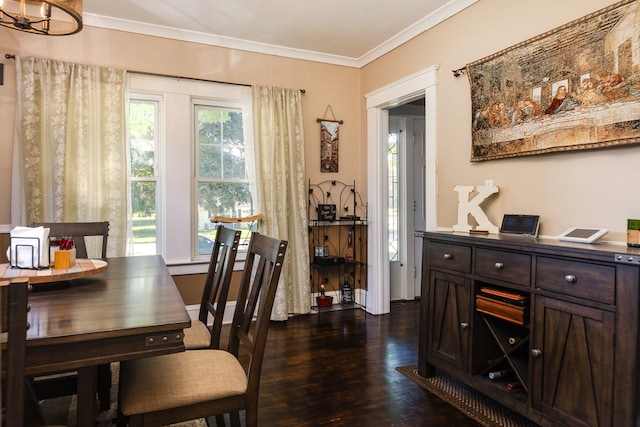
176,215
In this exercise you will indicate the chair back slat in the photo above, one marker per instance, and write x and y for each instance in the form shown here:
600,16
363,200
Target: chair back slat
218,281
79,230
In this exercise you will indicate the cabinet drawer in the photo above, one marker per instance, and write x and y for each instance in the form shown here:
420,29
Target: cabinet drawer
453,257
506,266
589,281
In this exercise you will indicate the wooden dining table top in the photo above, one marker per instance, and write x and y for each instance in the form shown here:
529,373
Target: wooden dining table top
133,309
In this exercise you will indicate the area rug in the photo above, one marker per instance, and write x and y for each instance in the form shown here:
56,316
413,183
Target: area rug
63,410
473,404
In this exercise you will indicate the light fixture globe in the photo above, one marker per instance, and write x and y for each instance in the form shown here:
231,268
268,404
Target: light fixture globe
50,18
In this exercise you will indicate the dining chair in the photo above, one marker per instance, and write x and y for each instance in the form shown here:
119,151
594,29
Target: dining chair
50,387
202,383
215,292
79,230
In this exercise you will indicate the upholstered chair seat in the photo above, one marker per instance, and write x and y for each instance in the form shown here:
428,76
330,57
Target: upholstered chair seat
195,377
197,335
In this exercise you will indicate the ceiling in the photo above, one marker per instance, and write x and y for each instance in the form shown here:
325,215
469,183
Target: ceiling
351,32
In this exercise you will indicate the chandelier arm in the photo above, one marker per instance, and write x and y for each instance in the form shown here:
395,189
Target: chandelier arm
28,22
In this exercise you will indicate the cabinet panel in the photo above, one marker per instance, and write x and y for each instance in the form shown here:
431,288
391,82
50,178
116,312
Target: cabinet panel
574,366
448,320
452,257
579,279
505,266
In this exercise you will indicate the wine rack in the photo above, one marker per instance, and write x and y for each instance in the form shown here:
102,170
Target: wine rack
508,351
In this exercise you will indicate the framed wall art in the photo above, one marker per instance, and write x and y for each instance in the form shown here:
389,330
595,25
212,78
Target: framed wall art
573,88
329,142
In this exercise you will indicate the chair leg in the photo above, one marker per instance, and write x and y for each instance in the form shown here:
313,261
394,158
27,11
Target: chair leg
220,420
33,415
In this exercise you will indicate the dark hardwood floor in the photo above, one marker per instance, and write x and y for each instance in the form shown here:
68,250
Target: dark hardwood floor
338,368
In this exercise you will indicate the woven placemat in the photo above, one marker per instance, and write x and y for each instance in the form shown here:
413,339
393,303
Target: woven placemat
472,403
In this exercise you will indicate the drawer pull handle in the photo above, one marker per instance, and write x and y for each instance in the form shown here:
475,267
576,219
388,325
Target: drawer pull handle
499,266
570,278
464,325
448,256
536,353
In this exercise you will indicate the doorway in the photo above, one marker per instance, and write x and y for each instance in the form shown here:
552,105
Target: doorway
406,170
422,84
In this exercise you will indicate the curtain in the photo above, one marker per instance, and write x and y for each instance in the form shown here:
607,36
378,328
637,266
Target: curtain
69,148
282,191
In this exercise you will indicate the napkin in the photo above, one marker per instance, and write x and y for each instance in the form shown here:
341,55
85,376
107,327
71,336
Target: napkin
29,247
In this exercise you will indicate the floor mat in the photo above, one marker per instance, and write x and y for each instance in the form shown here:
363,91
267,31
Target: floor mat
472,403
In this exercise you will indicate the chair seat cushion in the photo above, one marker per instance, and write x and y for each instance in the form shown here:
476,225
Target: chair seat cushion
197,336
179,379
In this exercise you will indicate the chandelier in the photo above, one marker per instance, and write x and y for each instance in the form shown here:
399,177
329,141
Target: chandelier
50,17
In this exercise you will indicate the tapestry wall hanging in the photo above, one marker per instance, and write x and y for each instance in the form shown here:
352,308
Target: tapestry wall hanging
329,142
573,88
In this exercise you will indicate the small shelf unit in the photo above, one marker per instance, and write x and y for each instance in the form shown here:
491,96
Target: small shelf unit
337,245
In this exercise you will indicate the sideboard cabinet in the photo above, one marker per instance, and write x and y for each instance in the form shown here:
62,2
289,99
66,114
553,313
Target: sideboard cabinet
547,328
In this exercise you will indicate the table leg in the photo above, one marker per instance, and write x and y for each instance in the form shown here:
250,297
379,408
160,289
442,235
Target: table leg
87,385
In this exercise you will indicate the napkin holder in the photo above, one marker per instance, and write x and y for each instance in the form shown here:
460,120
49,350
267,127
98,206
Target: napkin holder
29,248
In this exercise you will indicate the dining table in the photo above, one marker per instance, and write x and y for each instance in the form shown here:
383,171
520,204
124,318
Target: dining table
131,309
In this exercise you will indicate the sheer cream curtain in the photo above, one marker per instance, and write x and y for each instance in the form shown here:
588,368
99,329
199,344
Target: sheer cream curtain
69,147
282,191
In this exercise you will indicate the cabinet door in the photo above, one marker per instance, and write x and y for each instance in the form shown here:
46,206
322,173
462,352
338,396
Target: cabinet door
573,362
448,320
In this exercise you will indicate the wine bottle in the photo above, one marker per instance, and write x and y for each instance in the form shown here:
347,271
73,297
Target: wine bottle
513,385
514,340
496,375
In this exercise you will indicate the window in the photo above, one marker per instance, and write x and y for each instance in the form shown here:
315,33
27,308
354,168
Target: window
394,195
143,146
187,145
222,185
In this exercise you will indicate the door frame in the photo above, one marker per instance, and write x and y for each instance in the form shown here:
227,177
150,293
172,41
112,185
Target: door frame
424,83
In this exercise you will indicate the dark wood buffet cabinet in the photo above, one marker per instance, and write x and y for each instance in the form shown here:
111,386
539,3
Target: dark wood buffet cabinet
559,342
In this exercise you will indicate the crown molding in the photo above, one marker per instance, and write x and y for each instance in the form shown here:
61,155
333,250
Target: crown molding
430,21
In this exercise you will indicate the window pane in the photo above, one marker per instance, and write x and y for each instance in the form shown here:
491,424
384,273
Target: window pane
209,164
143,142
143,198
142,131
225,199
234,161
220,143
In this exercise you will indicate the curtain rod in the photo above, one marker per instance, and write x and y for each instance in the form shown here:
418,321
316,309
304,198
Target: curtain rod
9,56
195,79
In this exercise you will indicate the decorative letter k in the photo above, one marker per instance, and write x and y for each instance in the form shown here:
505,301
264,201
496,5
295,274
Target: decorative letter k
468,207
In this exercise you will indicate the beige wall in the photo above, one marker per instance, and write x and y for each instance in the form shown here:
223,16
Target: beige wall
588,188
324,84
